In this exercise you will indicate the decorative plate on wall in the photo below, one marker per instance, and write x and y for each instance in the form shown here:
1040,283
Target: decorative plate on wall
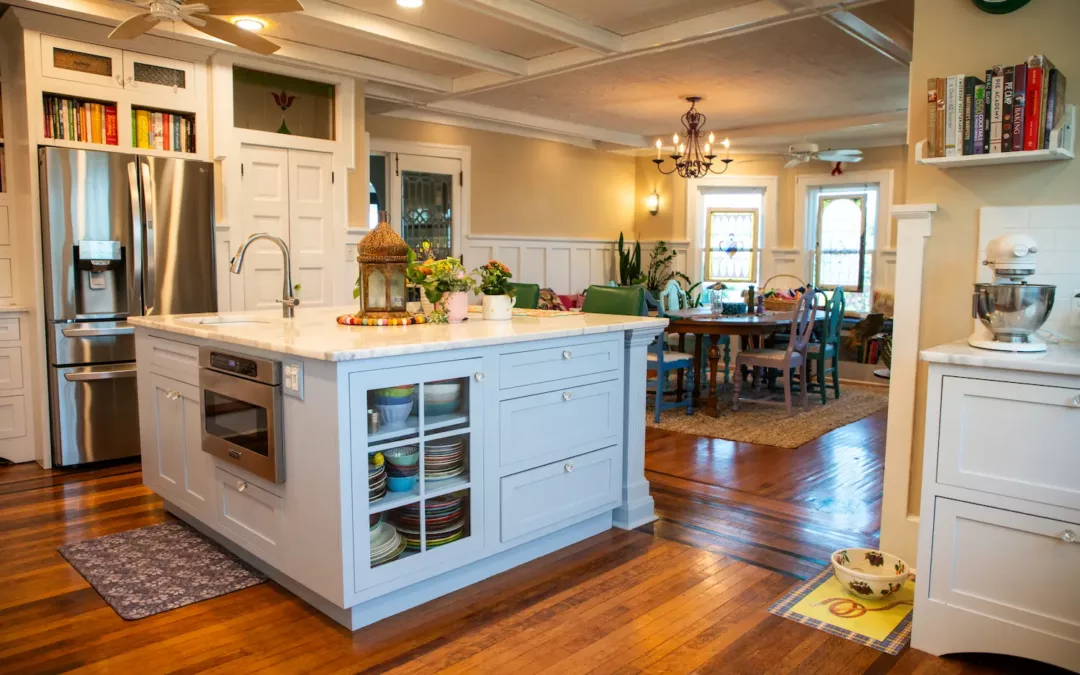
1000,6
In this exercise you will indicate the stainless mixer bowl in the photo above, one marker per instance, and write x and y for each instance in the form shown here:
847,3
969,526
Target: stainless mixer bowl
1012,311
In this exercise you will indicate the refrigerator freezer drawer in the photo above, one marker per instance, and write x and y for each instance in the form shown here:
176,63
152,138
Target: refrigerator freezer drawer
91,342
94,413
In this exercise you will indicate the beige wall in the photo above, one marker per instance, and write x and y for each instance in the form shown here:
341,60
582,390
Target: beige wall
358,179
952,36
528,187
669,223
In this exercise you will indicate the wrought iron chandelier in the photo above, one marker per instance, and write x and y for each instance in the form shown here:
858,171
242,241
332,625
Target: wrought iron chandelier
693,159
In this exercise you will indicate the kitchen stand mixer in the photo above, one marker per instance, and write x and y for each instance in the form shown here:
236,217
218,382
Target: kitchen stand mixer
1009,309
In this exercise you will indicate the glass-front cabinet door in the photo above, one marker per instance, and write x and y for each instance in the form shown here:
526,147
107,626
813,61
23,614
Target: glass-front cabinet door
417,495
425,202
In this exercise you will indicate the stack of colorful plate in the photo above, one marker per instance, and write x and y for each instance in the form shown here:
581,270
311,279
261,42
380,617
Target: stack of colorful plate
376,481
444,458
444,519
386,544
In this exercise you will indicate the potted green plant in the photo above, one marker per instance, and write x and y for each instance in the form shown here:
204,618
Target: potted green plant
446,285
498,293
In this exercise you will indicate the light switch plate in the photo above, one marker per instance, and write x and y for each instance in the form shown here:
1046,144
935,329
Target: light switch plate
293,375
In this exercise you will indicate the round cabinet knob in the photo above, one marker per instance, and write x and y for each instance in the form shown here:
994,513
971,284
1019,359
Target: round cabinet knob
241,485
1075,402
567,396
567,354
479,377
1069,537
568,467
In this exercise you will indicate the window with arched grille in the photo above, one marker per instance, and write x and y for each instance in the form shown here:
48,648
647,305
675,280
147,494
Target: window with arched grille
845,234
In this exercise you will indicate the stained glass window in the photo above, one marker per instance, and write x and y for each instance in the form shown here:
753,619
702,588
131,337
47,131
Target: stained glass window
845,236
731,236
282,104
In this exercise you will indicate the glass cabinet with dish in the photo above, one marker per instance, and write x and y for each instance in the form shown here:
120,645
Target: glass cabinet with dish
420,431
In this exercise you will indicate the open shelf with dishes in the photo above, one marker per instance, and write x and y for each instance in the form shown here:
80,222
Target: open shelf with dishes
420,442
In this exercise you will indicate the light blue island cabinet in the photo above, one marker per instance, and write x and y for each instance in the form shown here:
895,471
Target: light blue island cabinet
527,436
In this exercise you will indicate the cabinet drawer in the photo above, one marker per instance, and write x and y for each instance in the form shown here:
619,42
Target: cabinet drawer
1007,438
532,500
9,329
1007,566
559,424
11,368
12,417
248,512
178,360
560,361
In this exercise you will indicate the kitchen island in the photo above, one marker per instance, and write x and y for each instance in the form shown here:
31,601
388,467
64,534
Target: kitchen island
529,436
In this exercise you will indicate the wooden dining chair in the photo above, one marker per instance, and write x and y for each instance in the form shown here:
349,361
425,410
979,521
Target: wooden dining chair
632,301
824,352
787,360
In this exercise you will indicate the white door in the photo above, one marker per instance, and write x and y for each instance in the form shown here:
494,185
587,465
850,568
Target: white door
265,209
425,201
311,222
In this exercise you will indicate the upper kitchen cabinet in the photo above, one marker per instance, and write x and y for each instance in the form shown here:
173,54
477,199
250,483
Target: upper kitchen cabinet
170,80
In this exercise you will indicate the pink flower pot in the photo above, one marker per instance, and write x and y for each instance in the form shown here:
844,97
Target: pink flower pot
456,306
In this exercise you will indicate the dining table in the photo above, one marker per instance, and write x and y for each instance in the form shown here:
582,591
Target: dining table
702,321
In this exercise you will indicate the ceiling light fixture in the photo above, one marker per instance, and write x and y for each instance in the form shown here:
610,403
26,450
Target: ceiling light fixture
249,23
693,159
410,4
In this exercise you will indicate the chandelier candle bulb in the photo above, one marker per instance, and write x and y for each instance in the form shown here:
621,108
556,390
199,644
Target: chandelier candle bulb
712,139
658,146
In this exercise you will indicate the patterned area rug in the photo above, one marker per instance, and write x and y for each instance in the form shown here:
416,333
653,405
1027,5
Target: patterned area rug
823,603
768,423
157,568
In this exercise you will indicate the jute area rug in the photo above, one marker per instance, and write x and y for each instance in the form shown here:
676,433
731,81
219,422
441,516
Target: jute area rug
157,568
769,424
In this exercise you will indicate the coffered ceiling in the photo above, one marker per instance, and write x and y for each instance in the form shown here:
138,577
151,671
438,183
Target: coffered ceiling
605,73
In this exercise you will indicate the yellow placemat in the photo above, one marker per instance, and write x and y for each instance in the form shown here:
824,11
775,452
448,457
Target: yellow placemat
823,603
543,313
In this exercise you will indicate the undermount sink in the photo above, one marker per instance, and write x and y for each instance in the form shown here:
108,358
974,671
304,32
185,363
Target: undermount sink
224,320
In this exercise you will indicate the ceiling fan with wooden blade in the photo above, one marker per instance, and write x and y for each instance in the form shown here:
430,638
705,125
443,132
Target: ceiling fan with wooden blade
202,16
801,153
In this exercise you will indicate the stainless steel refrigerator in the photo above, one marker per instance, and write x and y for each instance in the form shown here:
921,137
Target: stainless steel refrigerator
122,235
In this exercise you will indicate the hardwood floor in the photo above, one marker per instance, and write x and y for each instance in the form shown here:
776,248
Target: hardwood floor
620,602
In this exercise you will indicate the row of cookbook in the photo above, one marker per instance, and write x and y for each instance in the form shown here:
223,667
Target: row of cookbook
70,119
1014,108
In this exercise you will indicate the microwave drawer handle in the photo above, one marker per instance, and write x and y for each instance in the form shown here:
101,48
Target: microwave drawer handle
101,375
98,332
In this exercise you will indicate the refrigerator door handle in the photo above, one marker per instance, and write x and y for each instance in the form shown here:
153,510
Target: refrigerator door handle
149,202
135,294
101,375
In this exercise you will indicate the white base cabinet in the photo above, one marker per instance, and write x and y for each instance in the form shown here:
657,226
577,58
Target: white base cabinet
999,536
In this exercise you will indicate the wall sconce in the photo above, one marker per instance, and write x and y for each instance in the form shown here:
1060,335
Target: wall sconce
652,202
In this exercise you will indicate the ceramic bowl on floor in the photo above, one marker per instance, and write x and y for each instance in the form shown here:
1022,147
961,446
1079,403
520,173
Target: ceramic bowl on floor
408,455
869,573
395,415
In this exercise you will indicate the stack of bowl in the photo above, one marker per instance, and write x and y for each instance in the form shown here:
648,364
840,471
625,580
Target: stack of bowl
444,519
394,404
376,479
402,467
386,543
442,398
444,458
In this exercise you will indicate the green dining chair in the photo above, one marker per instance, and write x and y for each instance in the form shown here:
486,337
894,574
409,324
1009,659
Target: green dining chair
824,352
526,295
631,302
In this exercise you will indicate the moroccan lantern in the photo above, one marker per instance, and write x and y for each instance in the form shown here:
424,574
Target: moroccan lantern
384,257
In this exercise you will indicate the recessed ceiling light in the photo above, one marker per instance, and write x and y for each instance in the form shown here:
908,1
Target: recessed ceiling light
248,23
411,4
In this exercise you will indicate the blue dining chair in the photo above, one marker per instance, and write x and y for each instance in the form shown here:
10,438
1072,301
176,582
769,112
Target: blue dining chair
662,361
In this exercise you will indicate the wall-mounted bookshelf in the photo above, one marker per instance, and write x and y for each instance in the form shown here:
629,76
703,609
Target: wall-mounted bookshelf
1061,147
163,130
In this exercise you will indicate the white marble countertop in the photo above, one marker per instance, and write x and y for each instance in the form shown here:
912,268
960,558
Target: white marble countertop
1059,359
315,334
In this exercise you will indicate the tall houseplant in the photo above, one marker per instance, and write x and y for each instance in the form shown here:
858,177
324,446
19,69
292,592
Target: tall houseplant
629,263
498,293
660,268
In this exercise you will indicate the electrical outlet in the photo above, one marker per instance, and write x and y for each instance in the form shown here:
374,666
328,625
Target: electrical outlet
294,379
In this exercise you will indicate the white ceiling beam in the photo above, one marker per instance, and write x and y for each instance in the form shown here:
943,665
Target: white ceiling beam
886,38
449,119
529,121
546,21
47,12
356,23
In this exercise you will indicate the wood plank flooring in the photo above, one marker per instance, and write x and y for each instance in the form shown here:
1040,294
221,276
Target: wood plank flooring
686,596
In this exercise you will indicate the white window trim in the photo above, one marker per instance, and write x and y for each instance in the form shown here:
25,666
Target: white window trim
804,236
694,227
